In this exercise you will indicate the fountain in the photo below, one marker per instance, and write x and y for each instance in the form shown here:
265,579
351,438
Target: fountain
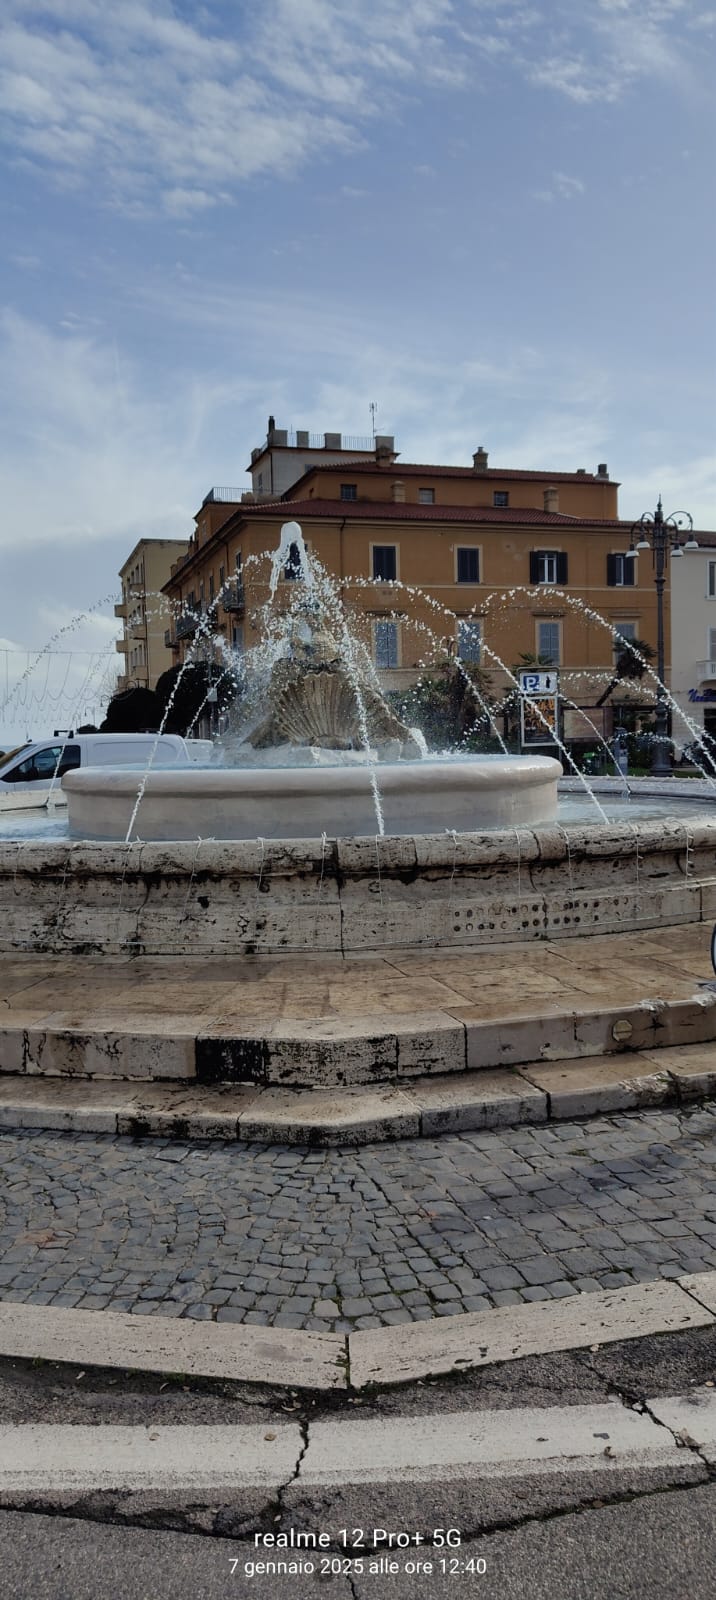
323,754
324,825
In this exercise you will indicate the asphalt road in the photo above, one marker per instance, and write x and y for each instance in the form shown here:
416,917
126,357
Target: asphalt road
662,1547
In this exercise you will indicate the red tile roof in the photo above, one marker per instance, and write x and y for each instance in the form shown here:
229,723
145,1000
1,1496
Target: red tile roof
398,469
401,511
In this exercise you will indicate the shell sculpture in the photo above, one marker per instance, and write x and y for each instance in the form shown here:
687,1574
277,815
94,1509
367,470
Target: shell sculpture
319,707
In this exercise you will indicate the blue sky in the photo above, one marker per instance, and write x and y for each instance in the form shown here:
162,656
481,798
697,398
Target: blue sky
493,218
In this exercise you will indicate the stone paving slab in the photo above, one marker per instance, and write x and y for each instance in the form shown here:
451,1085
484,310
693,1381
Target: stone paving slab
692,1066
702,1285
602,1084
475,1445
344,1117
50,1459
325,1051
249,1355
402,1014
382,984
296,1237
692,1418
514,1332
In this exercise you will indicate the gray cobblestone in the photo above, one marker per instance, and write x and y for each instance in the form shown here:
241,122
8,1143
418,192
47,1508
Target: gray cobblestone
391,1233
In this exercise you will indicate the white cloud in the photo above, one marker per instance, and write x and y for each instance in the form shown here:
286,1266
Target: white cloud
562,187
105,449
147,103
151,107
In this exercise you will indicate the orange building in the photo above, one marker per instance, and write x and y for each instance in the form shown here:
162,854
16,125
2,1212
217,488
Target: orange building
504,561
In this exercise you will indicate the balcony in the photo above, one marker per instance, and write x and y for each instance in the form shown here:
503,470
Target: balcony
121,645
170,642
221,495
187,623
233,598
120,608
706,671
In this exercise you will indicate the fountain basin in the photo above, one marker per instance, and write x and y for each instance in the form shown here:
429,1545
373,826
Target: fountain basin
243,898
303,802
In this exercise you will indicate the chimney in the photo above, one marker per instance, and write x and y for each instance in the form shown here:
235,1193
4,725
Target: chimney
479,460
602,470
551,499
398,492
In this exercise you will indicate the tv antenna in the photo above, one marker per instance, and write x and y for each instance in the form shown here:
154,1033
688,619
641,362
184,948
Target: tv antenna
373,414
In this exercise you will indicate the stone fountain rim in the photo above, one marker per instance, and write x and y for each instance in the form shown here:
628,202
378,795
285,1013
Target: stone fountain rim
521,845
407,777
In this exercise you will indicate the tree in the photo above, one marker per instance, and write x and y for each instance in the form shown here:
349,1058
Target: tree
132,711
182,693
628,665
451,705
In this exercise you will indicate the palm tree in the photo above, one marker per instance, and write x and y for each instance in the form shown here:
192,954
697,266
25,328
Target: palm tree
630,663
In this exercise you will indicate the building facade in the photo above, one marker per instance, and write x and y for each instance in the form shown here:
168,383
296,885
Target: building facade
693,639
146,612
488,563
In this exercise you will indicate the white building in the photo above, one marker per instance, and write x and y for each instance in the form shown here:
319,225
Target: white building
276,465
693,638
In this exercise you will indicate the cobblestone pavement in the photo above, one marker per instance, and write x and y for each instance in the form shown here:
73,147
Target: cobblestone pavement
356,1239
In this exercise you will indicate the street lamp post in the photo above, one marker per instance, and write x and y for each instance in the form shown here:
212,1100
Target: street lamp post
665,540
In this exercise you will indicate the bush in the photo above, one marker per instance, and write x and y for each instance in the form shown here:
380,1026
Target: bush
451,707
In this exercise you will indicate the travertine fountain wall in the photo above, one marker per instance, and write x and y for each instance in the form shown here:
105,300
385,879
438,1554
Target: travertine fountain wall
357,895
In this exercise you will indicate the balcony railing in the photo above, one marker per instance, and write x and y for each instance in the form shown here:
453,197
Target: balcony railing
121,645
232,598
170,641
223,496
187,624
120,608
706,671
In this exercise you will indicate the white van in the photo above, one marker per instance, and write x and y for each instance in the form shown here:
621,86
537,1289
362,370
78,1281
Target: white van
31,777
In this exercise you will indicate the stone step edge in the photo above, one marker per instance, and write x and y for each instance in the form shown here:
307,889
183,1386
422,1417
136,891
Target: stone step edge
386,1357
353,1050
535,1093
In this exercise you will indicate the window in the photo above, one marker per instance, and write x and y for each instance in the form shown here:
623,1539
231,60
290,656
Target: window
237,561
626,630
468,564
386,644
237,636
548,566
211,585
500,498
711,580
349,491
469,641
292,569
222,576
45,764
548,643
426,497
385,564
712,644
261,483
620,571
